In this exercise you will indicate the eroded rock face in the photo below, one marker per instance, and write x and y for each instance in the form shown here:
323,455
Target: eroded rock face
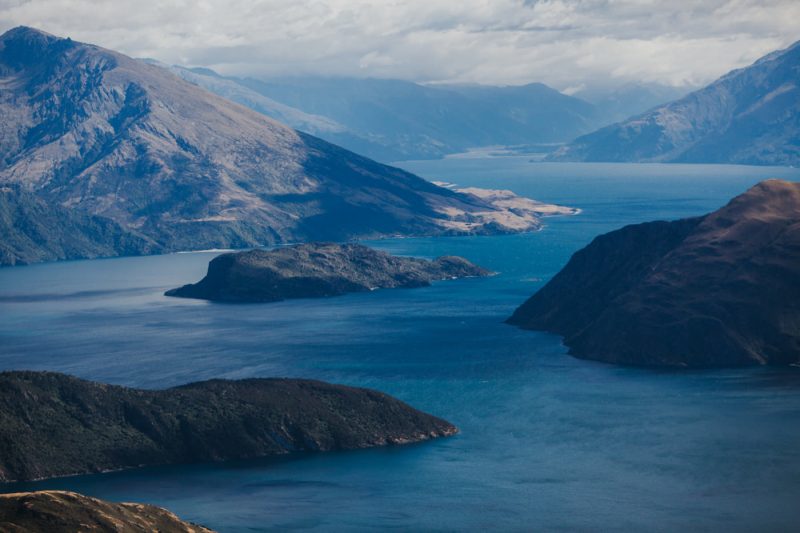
317,270
718,290
53,425
95,131
67,512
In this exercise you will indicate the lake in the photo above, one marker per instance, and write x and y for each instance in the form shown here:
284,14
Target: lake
547,441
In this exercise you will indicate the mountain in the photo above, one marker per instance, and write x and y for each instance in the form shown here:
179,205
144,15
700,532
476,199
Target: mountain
749,116
712,291
616,103
393,120
108,136
56,425
232,90
317,270
53,511
527,114
34,231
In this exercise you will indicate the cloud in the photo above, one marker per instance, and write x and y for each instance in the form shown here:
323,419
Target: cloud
564,43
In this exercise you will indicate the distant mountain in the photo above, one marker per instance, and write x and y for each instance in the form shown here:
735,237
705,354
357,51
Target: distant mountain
617,103
105,135
712,291
528,114
394,120
749,116
232,90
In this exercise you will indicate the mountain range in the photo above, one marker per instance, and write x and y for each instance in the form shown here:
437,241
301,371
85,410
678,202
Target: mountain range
393,120
170,166
748,116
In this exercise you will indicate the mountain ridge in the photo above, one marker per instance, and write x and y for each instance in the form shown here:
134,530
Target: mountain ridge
391,119
711,291
750,115
93,130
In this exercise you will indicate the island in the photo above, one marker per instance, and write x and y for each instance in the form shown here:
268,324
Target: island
52,424
53,511
720,290
317,270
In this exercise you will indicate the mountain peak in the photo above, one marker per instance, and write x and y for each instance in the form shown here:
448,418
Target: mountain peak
773,186
769,192
769,199
28,35
23,45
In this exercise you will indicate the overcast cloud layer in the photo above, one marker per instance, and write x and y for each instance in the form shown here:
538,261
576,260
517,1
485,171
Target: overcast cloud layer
565,44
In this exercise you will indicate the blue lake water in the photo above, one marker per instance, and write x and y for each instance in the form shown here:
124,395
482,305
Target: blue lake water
547,441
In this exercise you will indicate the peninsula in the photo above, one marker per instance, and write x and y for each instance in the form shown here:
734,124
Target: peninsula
52,424
712,291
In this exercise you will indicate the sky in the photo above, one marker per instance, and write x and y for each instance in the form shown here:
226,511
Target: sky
567,44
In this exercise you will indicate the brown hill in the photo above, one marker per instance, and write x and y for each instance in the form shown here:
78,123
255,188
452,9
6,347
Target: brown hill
67,512
718,290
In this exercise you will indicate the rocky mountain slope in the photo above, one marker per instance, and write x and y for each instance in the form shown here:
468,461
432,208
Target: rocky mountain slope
717,290
54,425
33,230
98,132
67,512
317,270
749,116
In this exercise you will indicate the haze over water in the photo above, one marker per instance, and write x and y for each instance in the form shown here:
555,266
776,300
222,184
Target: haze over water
547,441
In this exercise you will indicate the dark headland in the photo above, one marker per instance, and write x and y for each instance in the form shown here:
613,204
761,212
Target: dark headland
67,512
713,291
54,425
317,270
